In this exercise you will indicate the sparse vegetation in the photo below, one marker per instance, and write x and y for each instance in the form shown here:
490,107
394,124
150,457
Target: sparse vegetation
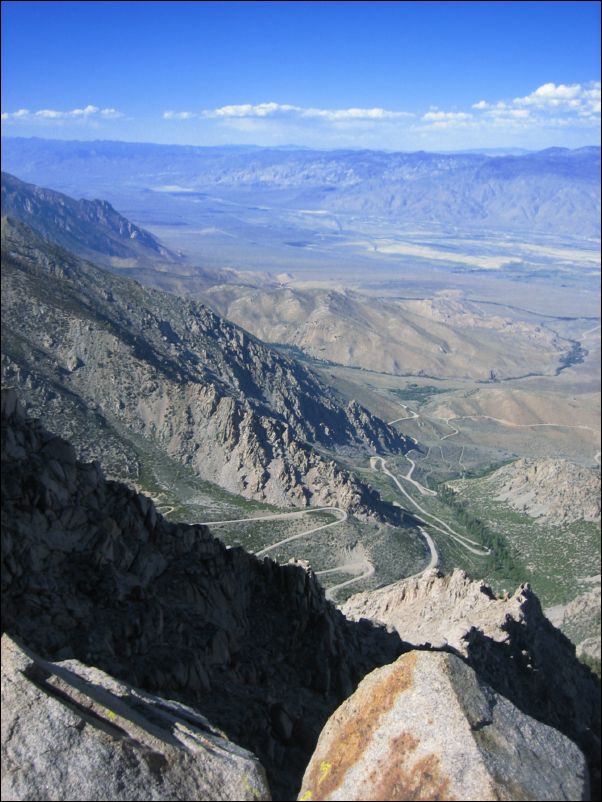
417,392
505,564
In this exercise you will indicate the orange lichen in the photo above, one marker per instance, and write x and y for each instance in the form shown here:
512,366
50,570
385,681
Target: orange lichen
397,779
353,734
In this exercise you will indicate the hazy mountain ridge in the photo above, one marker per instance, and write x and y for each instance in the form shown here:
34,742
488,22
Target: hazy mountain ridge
555,190
89,228
238,413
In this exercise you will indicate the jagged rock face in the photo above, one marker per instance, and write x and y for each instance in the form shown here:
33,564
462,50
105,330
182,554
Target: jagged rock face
438,610
86,227
91,572
427,728
77,338
508,641
73,732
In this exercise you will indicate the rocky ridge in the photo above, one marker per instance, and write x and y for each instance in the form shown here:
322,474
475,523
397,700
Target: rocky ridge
91,572
92,352
447,336
509,642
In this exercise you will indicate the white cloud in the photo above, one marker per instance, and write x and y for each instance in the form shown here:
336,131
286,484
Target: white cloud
549,106
15,115
264,110
563,98
179,115
110,114
569,107
49,114
248,110
550,94
452,116
355,114
87,112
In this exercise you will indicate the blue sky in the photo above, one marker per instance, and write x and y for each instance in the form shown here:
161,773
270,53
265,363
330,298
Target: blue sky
395,75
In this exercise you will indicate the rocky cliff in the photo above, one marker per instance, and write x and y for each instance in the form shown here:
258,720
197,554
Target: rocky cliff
93,353
91,572
508,641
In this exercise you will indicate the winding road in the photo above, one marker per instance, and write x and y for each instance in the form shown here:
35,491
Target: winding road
587,333
280,516
424,491
515,425
434,562
343,517
351,568
366,568
440,526
411,416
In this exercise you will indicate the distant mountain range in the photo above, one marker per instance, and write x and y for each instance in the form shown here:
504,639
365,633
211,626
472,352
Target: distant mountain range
554,190
93,229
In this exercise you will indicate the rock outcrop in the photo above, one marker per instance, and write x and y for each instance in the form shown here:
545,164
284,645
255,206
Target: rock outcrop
509,642
426,728
553,491
99,357
91,572
70,731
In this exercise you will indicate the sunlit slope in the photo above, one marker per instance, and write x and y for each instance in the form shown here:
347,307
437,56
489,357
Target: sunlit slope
446,337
